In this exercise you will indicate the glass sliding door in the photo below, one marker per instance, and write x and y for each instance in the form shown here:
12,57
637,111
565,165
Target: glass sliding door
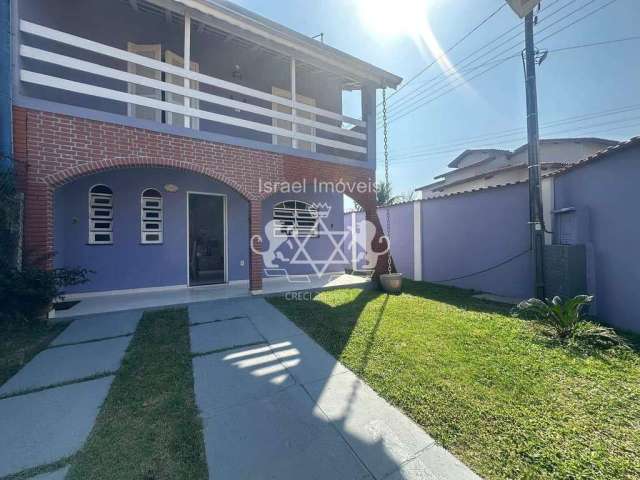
207,239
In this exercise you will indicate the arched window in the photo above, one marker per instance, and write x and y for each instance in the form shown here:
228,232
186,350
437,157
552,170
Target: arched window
295,218
151,216
100,215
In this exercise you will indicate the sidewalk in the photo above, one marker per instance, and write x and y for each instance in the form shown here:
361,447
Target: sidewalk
275,405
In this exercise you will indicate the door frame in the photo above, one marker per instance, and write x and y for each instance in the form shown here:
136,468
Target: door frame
226,237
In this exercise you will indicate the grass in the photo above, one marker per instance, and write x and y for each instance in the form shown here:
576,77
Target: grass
484,384
148,428
20,343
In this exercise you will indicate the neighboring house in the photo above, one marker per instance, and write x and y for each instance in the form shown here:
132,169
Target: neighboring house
480,168
145,131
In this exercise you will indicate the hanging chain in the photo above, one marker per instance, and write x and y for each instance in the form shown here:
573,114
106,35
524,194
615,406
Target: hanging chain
386,172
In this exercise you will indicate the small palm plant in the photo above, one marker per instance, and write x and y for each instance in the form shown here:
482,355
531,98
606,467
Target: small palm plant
565,321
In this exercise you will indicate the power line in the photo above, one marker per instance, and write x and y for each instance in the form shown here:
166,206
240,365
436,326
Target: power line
484,270
443,77
466,140
444,54
602,7
427,100
460,63
551,130
522,138
574,48
595,44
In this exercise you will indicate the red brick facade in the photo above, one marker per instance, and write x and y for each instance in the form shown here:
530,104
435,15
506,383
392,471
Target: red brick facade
53,149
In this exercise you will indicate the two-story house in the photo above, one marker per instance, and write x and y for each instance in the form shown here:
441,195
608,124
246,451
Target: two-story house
482,168
144,132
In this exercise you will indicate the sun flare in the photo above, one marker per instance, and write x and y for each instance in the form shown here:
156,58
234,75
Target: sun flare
404,17
401,17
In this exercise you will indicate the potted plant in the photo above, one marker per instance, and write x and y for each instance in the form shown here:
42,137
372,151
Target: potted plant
391,282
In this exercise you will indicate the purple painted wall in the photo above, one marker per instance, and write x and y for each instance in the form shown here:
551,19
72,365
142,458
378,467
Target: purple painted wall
401,218
401,236
350,250
605,195
464,234
127,263
319,248
467,233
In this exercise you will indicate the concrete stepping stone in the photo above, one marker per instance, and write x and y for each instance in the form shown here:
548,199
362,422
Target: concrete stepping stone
65,364
57,475
305,359
380,434
282,436
270,322
223,334
225,379
95,327
434,463
203,312
43,427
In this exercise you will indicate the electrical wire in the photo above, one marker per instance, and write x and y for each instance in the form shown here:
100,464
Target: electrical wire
463,62
443,78
462,142
485,270
440,57
595,44
418,159
428,100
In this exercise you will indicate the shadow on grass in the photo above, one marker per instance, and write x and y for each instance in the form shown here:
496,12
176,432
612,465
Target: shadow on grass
336,335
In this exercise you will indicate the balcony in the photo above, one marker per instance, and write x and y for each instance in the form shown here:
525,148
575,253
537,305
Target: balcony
179,70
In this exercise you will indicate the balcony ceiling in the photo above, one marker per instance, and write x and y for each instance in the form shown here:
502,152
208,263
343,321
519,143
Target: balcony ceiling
225,20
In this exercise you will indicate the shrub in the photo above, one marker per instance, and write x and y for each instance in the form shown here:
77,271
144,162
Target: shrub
27,294
564,320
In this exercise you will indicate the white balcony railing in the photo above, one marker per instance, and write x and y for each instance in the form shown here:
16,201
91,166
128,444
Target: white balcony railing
130,98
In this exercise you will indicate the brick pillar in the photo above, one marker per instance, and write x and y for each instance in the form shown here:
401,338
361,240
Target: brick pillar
37,235
38,224
255,233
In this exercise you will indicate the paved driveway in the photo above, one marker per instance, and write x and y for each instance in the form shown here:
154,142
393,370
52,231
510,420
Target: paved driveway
275,405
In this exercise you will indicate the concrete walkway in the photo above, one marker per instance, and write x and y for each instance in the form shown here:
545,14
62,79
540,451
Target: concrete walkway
48,409
275,405
92,303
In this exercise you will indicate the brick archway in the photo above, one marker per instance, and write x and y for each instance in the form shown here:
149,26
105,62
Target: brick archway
70,174
52,149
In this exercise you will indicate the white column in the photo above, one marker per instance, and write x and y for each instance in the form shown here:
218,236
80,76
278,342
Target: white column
187,62
354,242
417,240
294,140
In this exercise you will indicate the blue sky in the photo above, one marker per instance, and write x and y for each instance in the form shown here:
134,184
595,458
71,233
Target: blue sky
571,83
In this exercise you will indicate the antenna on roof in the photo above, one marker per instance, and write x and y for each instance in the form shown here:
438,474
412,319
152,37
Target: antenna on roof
321,35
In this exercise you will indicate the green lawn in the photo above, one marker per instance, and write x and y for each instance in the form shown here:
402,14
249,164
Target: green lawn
20,343
148,428
485,385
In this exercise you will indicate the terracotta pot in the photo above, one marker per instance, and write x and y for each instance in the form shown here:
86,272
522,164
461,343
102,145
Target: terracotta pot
391,282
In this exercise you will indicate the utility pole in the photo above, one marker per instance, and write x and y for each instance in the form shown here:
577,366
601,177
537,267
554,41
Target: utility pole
533,136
